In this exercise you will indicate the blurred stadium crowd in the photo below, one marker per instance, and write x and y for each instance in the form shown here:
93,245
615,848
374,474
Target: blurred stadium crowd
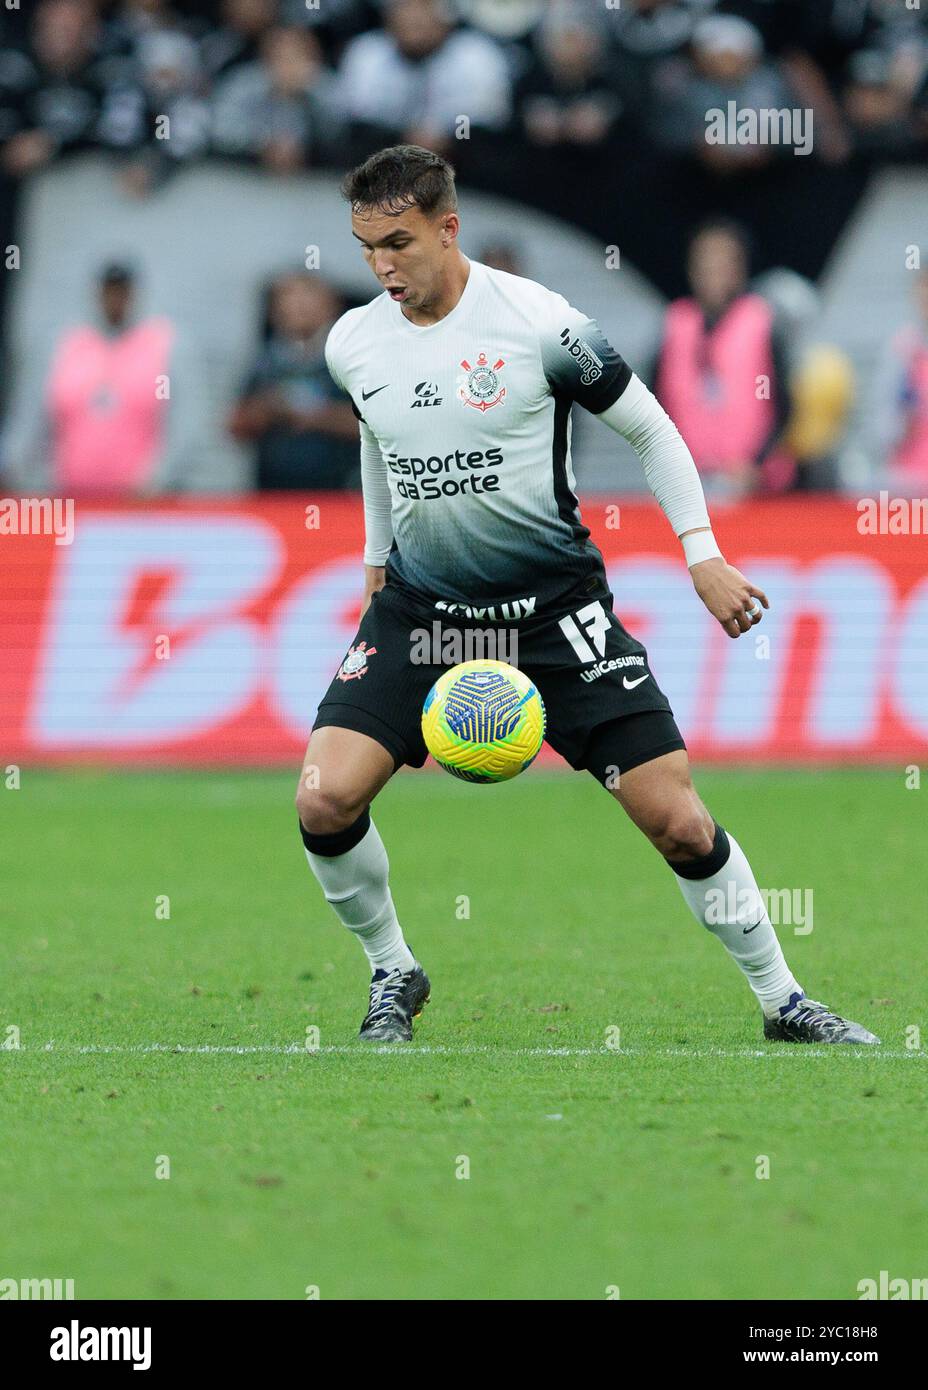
592,110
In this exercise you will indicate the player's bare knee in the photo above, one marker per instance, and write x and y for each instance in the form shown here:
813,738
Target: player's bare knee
683,833
325,811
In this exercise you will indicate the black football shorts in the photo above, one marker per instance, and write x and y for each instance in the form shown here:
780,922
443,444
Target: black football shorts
603,706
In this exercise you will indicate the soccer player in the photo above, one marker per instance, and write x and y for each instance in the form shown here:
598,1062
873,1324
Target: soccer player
462,379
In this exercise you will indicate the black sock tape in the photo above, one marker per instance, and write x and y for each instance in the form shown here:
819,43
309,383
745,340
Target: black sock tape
340,841
710,863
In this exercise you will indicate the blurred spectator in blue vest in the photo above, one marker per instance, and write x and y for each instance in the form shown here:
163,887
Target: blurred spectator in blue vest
301,424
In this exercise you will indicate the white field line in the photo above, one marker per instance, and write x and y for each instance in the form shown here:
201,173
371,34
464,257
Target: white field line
404,1050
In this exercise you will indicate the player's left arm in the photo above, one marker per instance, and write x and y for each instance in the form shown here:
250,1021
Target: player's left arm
580,362
673,478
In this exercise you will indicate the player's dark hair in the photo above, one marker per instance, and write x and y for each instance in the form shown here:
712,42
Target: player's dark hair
400,177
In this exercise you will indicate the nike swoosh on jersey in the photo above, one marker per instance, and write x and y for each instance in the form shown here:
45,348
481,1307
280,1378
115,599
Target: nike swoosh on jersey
630,685
366,395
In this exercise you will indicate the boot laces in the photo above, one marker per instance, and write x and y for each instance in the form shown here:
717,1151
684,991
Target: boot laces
383,996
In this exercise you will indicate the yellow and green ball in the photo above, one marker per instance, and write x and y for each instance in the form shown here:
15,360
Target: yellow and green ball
483,721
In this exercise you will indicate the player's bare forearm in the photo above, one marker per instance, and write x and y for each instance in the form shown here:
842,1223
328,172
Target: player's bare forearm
731,599
374,580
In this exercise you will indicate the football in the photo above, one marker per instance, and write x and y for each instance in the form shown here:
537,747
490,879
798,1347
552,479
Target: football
483,721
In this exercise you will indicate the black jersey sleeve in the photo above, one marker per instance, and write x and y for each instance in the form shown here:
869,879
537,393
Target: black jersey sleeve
578,359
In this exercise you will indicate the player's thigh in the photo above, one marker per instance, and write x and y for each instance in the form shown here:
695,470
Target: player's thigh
342,772
590,672
368,722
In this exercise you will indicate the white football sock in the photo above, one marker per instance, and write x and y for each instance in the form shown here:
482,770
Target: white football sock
356,884
730,905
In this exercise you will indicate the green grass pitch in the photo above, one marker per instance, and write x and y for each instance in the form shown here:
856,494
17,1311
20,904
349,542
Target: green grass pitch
590,1168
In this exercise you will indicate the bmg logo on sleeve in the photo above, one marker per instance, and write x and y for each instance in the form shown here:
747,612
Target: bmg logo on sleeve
589,364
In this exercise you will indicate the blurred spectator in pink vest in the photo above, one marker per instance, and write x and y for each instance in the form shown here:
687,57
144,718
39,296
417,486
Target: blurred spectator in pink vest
902,407
107,398
722,370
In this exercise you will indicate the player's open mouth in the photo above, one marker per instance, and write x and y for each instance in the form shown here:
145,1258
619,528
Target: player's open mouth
397,292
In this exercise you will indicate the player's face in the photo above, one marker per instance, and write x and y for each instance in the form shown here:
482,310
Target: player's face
405,252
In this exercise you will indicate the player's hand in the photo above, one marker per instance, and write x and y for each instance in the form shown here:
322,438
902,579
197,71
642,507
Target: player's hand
728,595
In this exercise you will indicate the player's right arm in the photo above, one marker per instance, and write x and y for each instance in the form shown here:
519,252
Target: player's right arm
378,524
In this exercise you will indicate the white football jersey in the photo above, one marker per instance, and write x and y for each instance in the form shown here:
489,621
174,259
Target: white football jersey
472,419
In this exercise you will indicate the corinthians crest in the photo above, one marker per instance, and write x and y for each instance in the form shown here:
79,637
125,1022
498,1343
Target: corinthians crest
355,664
480,386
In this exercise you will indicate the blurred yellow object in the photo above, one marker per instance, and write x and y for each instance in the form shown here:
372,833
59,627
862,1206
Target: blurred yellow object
822,390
